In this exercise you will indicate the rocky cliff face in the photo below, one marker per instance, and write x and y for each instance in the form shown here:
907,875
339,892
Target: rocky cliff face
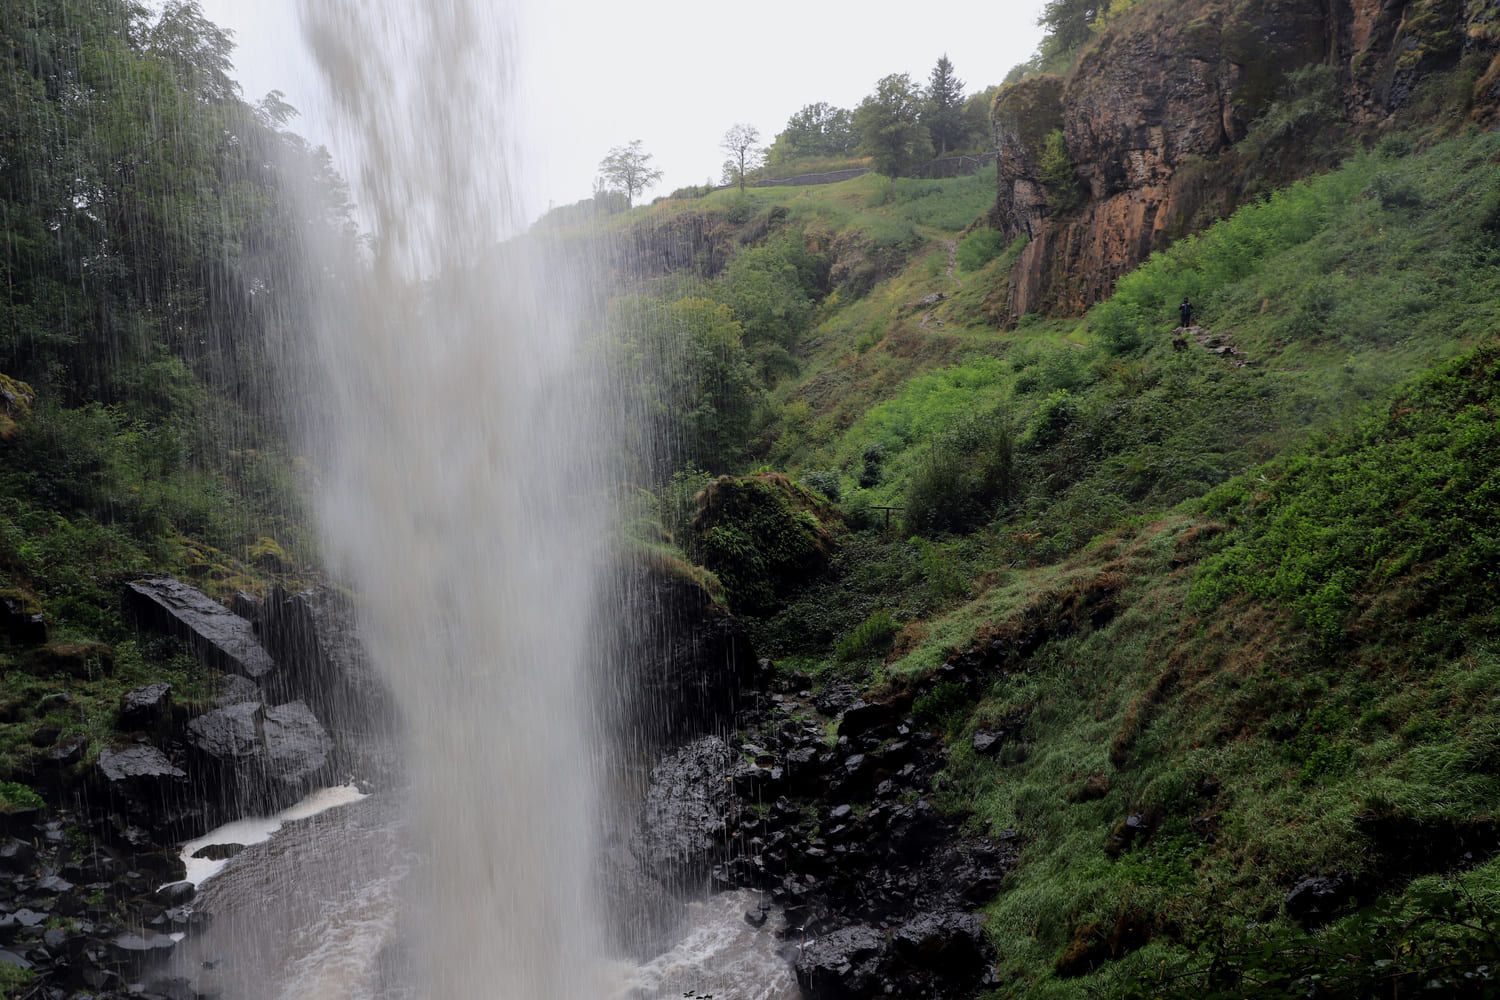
1152,112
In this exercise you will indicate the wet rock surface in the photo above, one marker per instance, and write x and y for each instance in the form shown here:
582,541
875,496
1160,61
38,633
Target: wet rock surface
692,657
91,898
87,917
686,811
879,886
215,633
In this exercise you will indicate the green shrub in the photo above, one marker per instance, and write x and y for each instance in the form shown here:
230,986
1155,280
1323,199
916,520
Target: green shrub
979,248
873,637
966,474
1309,101
16,797
825,482
1058,175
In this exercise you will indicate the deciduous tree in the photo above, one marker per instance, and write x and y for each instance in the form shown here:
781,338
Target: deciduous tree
628,169
817,130
890,126
741,143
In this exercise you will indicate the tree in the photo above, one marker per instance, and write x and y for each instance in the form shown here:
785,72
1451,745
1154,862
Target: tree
890,126
944,114
817,130
980,129
627,169
688,382
1068,24
740,143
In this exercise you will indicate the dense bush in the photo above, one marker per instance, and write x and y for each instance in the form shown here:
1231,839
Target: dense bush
764,536
772,289
693,396
965,476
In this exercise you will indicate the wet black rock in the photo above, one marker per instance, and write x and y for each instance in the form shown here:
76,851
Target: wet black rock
218,635
843,964
16,855
234,689
297,745
229,733
835,699
683,824
218,852
952,943
247,606
692,658
178,893
141,764
877,881
314,635
21,622
147,709
866,717
1315,899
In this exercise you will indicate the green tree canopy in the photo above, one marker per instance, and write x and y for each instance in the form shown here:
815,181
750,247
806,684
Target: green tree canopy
1069,24
690,382
890,126
818,130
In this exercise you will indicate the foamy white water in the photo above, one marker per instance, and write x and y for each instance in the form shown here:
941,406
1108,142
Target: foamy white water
255,830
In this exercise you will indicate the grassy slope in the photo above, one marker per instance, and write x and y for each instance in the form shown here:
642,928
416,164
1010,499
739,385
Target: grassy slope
1257,651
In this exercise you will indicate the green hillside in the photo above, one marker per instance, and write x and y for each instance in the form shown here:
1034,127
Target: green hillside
1289,520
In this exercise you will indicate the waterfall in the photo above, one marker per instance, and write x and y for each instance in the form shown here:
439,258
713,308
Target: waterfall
462,495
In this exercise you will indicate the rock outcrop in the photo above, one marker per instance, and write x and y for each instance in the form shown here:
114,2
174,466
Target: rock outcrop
313,635
688,657
218,635
1150,110
880,888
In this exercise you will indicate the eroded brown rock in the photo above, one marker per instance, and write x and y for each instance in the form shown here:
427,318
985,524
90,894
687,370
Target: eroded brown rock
1150,110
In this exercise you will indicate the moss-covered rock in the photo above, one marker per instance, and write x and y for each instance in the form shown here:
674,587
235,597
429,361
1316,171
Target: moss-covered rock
762,535
16,398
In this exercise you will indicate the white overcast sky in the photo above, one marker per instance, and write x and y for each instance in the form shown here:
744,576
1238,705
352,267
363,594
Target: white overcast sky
673,73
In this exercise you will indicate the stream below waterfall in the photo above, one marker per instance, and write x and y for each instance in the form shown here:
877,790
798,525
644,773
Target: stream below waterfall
314,912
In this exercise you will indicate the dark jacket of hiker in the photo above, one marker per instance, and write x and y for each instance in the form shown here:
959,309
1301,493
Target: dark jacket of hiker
1186,312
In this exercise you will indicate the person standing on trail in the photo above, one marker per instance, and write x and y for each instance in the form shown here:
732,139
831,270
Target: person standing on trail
1186,312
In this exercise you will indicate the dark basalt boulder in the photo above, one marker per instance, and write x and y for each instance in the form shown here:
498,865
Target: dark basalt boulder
314,636
218,635
682,826
690,658
842,965
140,765
21,621
147,709
297,745
230,733
1315,899
951,943
259,756
144,790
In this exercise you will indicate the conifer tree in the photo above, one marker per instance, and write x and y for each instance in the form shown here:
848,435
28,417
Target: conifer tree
944,113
